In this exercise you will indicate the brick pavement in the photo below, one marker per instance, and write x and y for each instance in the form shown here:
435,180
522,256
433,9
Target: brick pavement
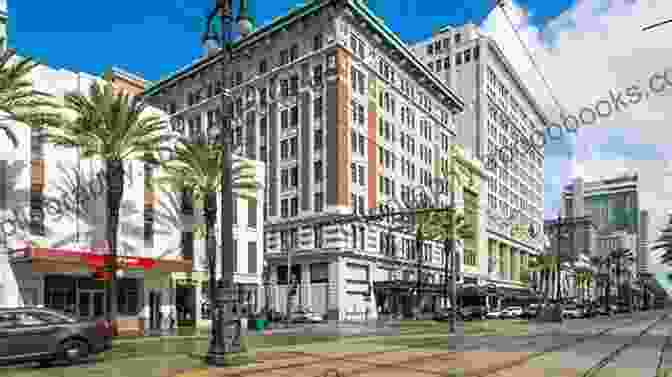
370,364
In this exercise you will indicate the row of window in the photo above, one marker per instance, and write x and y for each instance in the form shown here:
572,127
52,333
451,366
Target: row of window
437,46
289,207
460,58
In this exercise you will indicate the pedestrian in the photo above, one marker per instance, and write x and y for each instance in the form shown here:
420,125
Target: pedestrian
171,319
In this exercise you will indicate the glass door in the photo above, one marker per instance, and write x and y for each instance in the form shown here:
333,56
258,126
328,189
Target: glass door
91,303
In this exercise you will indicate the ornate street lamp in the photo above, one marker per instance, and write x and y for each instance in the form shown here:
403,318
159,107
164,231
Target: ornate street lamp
226,332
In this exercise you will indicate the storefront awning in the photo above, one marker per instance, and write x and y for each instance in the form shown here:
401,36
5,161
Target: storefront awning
89,260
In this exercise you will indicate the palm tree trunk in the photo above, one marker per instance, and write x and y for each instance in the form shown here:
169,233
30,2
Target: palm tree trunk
114,176
211,251
446,251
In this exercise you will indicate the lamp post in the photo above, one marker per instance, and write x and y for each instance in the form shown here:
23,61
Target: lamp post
226,337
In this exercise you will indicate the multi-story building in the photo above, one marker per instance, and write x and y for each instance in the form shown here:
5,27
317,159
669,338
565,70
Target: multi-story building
346,118
52,228
499,111
614,207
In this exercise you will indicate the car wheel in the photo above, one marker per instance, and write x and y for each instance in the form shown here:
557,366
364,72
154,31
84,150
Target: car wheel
74,350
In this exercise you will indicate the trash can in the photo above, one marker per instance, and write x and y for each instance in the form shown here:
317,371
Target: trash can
260,324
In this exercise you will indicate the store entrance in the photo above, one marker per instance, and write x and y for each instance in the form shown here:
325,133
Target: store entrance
155,315
91,303
185,302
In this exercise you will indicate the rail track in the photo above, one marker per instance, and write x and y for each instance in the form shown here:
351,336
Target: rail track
603,362
661,355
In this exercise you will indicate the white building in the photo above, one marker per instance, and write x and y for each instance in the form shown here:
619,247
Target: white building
499,111
347,118
52,229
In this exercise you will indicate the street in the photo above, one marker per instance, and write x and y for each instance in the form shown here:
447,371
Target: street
421,348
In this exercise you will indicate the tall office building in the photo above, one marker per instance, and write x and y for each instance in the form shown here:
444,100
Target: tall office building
613,205
499,110
347,118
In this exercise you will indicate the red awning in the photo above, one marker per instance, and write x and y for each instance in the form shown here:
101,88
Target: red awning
90,257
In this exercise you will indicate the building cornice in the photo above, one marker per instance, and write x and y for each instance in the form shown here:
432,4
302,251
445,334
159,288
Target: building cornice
455,103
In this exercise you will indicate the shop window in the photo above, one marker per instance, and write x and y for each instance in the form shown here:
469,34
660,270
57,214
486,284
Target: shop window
128,296
319,273
59,293
252,257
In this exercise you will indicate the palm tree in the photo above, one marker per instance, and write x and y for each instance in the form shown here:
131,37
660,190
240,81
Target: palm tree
664,243
19,102
113,128
439,226
197,168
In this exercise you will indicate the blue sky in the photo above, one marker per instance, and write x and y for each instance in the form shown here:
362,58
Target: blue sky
154,37
585,48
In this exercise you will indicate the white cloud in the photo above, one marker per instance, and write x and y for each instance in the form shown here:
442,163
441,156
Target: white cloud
584,53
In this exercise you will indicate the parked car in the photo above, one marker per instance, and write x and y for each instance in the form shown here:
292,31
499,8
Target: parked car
530,311
473,312
512,312
590,312
444,314
494,314
622,307
45,335
572,311
305,316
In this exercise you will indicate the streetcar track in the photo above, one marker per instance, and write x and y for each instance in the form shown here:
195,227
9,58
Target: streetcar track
603,362
516,363
663,349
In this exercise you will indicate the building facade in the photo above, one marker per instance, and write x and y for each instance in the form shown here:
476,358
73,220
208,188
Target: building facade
347,119
53,219
613,205
499,111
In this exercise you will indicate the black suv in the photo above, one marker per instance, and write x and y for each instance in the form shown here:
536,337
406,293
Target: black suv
45,335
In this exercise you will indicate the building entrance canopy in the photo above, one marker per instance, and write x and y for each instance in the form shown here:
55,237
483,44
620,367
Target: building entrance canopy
89,260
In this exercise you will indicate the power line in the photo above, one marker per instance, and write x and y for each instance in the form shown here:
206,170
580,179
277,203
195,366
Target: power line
646,28
501,4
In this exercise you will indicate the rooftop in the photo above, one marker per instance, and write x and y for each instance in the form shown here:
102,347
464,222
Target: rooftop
358,8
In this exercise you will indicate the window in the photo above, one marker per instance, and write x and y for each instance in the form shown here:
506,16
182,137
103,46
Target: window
318,199
446,62
446,43
292,147
467,56
431,66
319,272
317,170
317,75
458,59
430,49
284,149
458,38
318,42
252,213
284,88
317,140
295,206
284,209
294,85
284,119
294,116
317,107
353,169
239,78
263,66
294,174
284,57
252,257
294,53
476,52
128,299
